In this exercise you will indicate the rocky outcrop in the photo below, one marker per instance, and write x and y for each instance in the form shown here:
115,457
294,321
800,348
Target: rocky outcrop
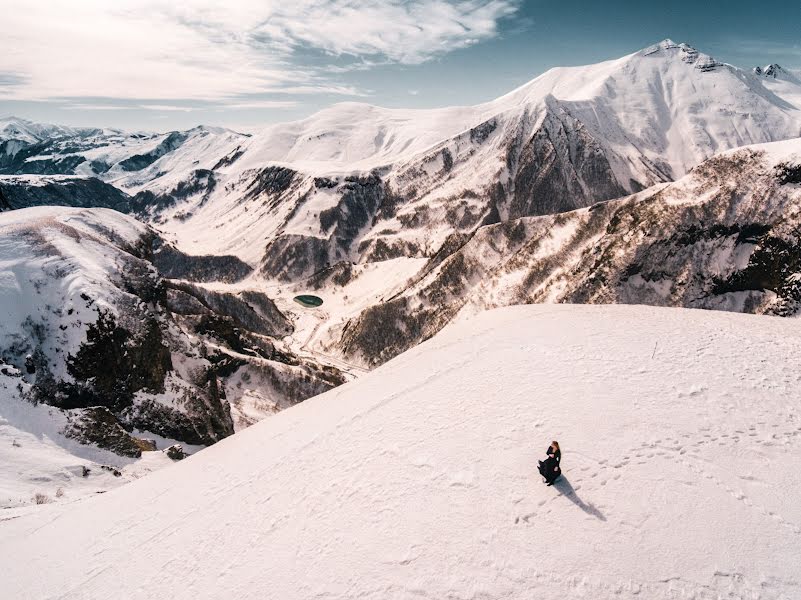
560,168
271,182
174,264
18,157
97,425
114,363
197,418
148,204
137,162
249,310
22,192
291,257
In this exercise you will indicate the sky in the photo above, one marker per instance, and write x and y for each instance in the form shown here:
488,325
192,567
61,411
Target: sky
164,65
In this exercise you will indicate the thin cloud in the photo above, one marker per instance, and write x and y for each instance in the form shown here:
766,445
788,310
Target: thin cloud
84,106
259,104
166,107
210,51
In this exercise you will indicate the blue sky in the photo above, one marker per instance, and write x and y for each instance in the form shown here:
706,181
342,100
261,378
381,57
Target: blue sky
153,64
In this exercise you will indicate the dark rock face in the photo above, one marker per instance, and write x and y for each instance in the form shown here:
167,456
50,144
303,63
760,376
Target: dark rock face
225,330
97,425
138,162
339,274
292,257
174,264
203,419
385,330
787,173
358,203
115,364
252,311
480,133
199,182
560,168
773,267
176,452
272,181
83,193
229,159
15,159
380,249
181,303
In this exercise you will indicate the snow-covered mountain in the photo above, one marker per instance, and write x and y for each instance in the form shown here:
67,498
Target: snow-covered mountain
128,160
401,221
776,71
108,340
681,440
361,184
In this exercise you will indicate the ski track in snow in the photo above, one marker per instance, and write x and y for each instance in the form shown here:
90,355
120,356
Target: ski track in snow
681,476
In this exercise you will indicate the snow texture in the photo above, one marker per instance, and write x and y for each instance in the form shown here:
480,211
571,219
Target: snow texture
681,441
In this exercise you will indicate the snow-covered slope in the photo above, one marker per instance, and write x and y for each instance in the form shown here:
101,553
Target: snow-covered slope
405,220
681,439
669,102
106,341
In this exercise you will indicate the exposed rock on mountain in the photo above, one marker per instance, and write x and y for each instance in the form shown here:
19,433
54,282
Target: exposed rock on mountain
774,71
726,236
26,191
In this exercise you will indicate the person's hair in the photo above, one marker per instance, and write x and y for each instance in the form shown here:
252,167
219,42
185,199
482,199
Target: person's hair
555,445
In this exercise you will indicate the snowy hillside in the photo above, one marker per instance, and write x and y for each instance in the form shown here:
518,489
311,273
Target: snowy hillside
107,344
681,439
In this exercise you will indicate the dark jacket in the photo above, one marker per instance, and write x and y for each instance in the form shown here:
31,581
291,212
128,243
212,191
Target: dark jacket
549,468
555,454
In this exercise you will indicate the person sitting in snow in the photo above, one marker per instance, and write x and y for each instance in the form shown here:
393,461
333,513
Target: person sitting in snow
550,468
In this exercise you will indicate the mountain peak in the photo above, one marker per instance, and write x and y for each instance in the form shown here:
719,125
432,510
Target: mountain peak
777,72
772,70
688,54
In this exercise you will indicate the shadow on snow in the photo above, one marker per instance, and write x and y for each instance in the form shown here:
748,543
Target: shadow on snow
566,489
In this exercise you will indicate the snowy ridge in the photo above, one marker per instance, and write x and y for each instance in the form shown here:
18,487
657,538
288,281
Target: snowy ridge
571,137
420,478
30,132
129,160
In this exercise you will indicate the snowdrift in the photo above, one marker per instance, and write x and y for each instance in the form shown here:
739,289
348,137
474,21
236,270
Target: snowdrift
681,439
